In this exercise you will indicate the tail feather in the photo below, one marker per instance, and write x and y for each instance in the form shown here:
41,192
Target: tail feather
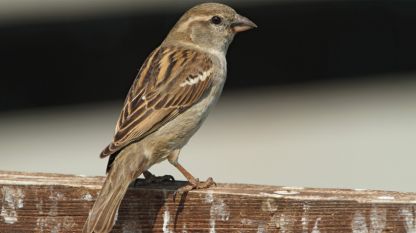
126,168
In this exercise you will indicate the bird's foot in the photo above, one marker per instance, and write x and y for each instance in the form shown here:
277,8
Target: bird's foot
195,184
149,178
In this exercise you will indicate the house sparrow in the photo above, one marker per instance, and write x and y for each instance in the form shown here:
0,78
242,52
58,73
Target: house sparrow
176,87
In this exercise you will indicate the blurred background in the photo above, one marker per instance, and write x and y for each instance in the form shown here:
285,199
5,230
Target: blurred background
322,94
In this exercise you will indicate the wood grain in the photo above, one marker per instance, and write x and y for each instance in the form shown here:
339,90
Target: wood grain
39,202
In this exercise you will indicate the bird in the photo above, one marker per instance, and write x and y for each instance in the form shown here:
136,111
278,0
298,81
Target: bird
172,94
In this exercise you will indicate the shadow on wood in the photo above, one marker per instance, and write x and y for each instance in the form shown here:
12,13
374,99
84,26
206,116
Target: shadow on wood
39,202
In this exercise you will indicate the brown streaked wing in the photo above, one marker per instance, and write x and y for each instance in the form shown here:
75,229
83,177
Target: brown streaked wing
170,81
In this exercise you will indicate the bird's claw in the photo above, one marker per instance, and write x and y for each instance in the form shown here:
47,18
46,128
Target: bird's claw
195,184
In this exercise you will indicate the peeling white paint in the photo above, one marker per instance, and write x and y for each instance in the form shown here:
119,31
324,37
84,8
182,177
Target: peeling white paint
385,198
56,196
409,218
261,228
46,182
246,221
286,192
184,228
360,190
56,228
40,224
166,216
305,219
283,223
52,222
275,221
115,217
68,223
270,195
315,228
166,221
292,187
54,209
377,220
219,211
87,197
209,198
55,225
269,205
9,218
39,205
12,200
358,224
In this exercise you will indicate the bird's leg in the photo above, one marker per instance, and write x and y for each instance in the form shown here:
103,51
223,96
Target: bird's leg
194,183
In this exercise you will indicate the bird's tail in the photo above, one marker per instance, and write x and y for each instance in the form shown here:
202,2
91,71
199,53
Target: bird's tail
126,168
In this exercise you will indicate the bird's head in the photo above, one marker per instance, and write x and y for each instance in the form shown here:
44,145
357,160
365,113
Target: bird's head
209,26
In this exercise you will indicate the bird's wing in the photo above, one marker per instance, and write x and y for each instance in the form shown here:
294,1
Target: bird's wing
170,81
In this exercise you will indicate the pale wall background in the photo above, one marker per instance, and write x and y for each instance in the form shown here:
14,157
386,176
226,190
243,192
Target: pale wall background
340,135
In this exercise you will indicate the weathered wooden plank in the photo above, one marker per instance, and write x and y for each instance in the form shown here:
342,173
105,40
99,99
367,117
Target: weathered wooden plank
38,202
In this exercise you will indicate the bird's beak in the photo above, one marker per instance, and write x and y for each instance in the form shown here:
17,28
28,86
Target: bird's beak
242,24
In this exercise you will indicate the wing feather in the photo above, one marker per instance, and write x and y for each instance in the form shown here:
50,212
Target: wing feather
170,81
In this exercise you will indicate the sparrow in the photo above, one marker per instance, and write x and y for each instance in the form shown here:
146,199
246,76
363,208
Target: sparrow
175,89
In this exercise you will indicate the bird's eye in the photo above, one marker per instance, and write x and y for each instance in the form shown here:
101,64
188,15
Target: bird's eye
216,20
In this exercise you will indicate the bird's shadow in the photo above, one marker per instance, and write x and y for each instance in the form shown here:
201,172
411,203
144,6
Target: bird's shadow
146,207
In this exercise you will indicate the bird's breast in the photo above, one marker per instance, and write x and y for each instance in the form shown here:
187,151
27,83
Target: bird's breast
176,133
